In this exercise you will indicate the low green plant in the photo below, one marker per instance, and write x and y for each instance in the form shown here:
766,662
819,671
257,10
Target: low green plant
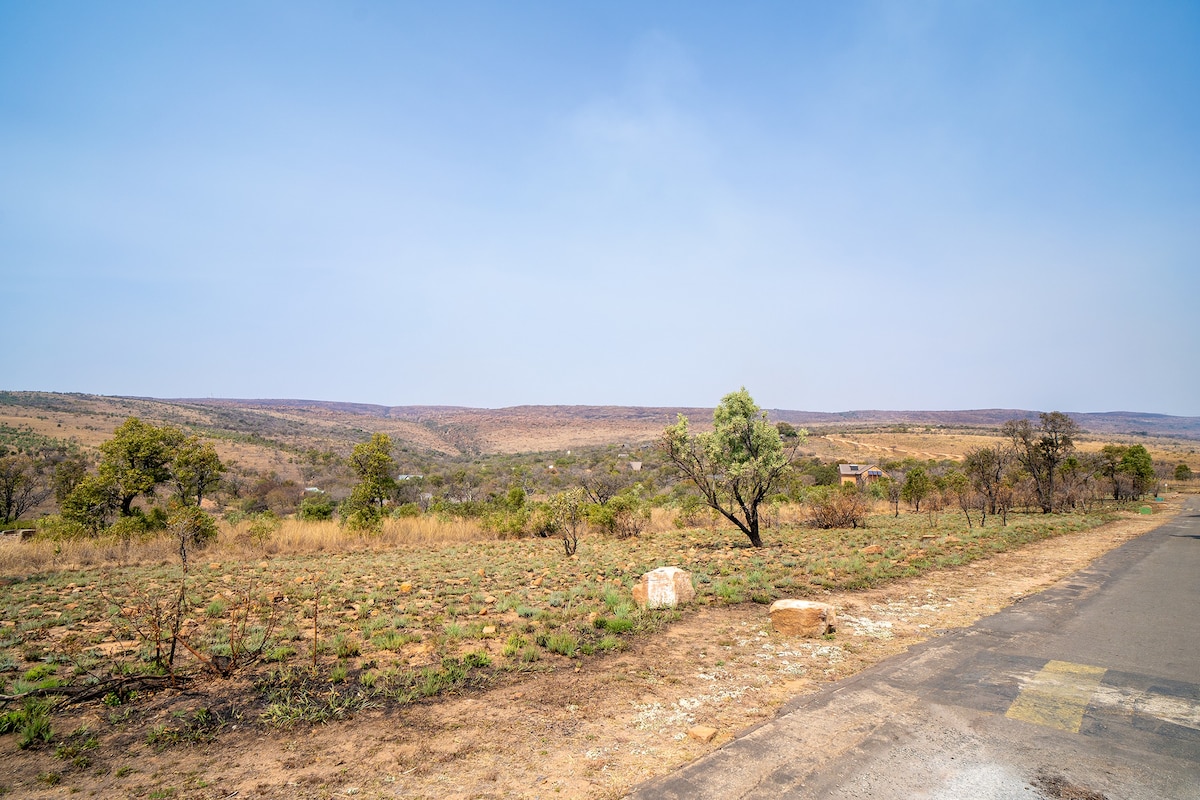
30,722
562,643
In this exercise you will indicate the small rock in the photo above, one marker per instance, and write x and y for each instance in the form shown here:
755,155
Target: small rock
489,630
405,588
873,550
702,733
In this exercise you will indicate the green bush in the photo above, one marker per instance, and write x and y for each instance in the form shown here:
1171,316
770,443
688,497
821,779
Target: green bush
316,508
624,515
57,527
129,528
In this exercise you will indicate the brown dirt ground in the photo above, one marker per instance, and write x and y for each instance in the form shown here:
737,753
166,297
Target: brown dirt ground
590,729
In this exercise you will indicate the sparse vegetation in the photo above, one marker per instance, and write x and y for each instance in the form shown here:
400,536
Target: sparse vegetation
450,588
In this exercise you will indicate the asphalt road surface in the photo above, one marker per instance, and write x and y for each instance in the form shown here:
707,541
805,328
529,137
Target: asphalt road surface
1087,691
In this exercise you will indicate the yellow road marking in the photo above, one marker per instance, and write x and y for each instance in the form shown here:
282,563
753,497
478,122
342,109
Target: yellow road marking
1057,696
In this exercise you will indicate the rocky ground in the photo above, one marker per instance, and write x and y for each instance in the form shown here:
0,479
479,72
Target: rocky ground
591,730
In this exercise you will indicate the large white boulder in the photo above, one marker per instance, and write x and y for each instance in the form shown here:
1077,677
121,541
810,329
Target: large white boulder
665,587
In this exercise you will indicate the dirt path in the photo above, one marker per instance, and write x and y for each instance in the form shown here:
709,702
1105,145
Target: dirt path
590,731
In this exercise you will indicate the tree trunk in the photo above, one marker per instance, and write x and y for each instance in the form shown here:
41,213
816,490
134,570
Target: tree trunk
755,539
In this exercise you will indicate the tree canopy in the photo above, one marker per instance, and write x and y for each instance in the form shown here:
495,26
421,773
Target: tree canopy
1040,450
736,465
374,467
134,463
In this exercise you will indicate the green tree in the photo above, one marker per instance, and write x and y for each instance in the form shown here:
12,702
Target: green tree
1183,472
90,504
195,470
736,465
1042,449
68,472
1109,461
374,467
1139,466
137,460
917,486
316,508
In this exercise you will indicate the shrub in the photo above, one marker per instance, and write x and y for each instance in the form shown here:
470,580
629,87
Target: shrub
128,528
58,527
262,526
693,512
407,510
316,508
837,508
623,516
192,526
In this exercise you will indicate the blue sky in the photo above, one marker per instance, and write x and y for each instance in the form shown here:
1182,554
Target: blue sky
925,205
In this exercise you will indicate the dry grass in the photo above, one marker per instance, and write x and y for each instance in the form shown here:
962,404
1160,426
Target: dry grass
291,537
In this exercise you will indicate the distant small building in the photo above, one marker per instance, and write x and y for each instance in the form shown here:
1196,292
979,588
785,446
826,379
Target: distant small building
859,473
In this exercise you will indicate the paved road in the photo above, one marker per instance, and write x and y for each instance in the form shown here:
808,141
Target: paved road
1088,690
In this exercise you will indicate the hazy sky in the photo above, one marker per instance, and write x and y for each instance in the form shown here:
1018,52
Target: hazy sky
892,205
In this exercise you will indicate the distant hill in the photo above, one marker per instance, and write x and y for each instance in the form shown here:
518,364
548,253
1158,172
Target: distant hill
269,433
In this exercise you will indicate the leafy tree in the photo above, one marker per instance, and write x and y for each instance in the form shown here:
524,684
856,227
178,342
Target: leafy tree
1109,458
90,504
134,463
196,470
1183,472
137,460
736,465
623,516
374,466
67,473
787,430
1042,449
917,486
1137,464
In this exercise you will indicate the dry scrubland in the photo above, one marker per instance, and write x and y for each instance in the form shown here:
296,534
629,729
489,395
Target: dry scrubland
314,625
267,435
292,632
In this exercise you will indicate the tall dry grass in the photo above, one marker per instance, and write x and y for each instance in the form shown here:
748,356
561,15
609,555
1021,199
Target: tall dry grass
291,537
